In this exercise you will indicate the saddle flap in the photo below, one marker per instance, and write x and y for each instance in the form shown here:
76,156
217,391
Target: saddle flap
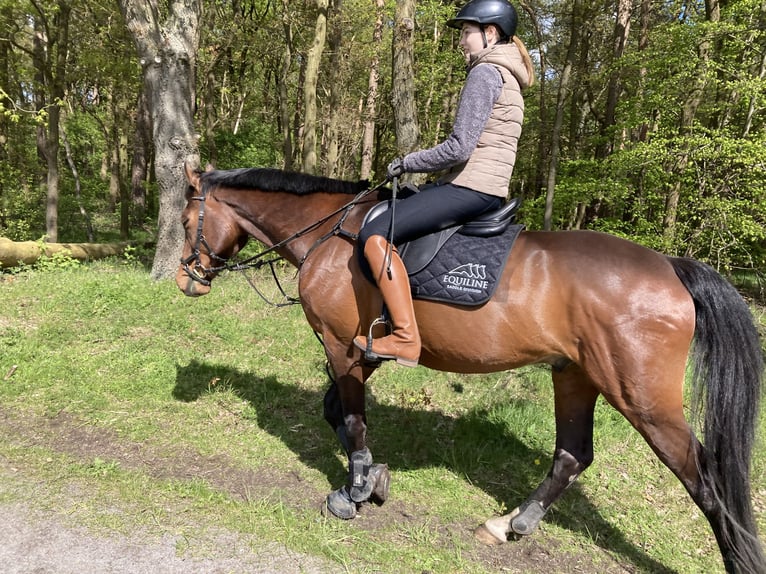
419,252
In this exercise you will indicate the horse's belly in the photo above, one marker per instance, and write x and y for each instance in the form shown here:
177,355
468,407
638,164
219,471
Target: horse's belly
480,340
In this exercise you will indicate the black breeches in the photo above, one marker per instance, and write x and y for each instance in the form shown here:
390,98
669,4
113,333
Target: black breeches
432,209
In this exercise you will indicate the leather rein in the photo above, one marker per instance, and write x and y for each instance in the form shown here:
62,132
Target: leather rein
198,272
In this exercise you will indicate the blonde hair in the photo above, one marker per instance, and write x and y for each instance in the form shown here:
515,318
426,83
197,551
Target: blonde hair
526,59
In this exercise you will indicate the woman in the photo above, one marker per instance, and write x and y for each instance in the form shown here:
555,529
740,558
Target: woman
480,154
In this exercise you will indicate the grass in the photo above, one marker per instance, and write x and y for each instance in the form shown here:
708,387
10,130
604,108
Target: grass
133,407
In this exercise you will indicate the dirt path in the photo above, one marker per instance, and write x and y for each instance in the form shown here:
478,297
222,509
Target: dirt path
42,536
39,542
45,533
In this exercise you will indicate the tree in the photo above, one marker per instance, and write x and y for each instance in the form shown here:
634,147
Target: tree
166,35
561,100
403,78
51,45
657,134
310,88
371,101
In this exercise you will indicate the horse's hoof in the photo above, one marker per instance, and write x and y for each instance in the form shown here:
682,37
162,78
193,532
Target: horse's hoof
530,515
339,504
381,478
485,536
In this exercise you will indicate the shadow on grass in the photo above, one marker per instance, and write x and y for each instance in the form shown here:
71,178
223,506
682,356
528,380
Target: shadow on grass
411,438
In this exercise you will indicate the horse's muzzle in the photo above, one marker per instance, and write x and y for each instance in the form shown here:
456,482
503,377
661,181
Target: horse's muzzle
190,286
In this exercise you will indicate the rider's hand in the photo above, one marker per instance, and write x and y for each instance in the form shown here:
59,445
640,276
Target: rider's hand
395,168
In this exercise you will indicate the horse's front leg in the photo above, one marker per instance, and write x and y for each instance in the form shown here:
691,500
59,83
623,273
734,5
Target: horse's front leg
575,401
344,410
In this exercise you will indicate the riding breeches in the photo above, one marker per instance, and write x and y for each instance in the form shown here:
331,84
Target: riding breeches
432,209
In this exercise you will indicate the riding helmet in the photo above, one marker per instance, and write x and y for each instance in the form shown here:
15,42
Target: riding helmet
498,12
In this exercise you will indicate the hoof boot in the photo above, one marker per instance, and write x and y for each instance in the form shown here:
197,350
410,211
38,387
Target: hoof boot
530,515
339,504
361,485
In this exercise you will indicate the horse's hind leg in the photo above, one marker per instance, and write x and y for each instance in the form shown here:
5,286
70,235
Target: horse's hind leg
575,401
668,434
655,409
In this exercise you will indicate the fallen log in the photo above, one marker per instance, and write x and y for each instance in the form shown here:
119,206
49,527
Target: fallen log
13,253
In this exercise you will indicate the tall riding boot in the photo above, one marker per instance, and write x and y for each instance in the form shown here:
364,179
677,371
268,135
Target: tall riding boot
403,344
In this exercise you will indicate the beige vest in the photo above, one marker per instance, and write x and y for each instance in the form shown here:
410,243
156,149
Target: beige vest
490,166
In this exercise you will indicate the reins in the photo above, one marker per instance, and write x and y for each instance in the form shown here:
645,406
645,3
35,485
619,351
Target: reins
259,259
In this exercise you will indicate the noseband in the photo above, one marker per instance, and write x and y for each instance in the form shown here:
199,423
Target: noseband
198,272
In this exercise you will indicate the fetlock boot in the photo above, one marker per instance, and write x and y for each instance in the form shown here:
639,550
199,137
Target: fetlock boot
403,344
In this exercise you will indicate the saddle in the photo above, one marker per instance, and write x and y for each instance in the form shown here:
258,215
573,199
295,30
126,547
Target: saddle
418,253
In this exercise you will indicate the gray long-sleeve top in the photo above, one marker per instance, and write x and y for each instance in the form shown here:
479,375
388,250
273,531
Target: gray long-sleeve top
482,88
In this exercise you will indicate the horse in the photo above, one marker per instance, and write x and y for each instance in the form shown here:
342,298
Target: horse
610,317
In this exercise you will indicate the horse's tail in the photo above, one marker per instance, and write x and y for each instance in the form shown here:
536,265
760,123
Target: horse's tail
727,374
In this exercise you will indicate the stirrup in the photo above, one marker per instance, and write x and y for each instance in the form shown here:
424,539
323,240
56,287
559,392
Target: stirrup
369,355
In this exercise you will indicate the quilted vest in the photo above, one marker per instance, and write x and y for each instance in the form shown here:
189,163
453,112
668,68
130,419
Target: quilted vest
490,166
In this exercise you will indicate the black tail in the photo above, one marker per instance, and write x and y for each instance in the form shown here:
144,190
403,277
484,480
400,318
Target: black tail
727,374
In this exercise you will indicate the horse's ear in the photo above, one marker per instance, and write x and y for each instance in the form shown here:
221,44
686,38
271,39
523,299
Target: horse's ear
192,175
209,167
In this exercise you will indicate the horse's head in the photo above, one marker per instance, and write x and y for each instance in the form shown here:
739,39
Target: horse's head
211,237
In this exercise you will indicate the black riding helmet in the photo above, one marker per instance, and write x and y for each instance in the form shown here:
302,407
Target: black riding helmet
498,12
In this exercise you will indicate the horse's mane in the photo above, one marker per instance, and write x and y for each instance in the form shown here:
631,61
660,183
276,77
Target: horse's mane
267,179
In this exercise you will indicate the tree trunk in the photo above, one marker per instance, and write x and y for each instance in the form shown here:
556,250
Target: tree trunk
14,253
371,104
50,57
542,83
124,188
621,32
5,87
282,95
112,132
139,161
335,41
403,80
77,188
558,123
167,51
310,89
688,114
633,203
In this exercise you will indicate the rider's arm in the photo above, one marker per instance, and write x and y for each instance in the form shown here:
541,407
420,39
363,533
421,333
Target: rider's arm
482,88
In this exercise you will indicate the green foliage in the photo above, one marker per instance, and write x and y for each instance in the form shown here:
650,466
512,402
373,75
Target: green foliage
689,119
255,145
22,206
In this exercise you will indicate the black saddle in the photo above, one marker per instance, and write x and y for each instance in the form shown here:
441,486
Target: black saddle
418,253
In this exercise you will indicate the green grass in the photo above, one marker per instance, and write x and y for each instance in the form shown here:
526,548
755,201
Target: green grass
230,387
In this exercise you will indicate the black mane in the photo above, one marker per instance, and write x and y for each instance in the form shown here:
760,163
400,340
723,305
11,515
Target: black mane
266,179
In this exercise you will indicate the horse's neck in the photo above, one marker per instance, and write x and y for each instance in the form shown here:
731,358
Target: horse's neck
278,217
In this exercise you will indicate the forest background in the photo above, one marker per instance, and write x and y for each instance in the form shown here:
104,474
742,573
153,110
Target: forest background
646,121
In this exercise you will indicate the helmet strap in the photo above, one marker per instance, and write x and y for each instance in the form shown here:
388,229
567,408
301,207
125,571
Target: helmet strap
483,35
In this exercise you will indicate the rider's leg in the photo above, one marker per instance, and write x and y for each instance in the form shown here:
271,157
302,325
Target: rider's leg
430,210
403,344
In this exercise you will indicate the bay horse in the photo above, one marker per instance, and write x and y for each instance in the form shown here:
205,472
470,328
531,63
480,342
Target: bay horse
610,317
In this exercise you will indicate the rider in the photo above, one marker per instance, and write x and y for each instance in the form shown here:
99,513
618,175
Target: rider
480,154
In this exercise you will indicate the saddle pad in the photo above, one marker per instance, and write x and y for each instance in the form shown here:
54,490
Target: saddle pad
466,269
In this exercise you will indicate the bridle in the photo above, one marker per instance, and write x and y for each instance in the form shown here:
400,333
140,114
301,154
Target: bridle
198,272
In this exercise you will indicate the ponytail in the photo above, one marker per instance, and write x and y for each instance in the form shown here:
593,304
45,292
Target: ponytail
526,59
